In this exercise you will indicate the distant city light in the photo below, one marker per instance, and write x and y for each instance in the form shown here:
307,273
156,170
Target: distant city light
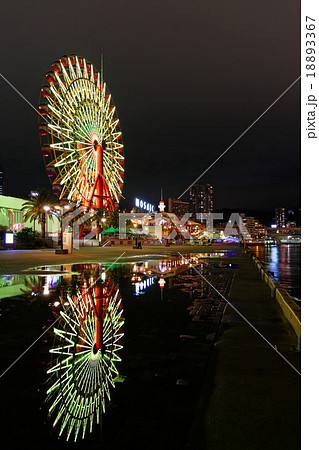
273,226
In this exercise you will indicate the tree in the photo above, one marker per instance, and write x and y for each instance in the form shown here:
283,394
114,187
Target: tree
113,220
26,239
99,214
34,208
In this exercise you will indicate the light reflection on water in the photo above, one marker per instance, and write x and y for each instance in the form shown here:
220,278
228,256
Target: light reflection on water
285,262
81,355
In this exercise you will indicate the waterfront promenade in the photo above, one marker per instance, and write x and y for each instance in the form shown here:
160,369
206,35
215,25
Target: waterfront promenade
250,397
19,261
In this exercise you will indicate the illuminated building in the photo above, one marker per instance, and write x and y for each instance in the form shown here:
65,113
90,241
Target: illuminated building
178,207
201,199
280,217
292,224
256,230
12,216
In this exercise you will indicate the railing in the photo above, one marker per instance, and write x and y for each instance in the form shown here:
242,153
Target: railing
289,307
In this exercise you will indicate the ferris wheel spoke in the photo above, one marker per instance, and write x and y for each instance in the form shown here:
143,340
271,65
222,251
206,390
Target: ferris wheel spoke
65,158
71,70
84,135
61,84
113,125
70,102
115,149
60,115
57,95
111,113
88,154
67,79
113,164
62,146
101,120
78,69
85,72
59,131
84,118
89,112
72,171
68,111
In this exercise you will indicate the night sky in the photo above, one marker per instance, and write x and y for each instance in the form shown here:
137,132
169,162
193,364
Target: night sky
187,78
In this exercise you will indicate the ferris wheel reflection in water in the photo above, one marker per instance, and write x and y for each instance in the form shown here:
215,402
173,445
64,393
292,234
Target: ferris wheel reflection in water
85,355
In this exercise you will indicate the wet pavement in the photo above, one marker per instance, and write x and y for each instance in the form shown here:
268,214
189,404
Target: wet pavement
193,374
251,396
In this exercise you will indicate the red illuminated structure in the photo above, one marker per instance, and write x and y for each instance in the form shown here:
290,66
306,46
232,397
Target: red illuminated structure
80,136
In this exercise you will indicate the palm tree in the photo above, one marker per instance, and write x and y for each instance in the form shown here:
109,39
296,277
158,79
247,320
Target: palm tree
113,220
34,208
109,219
99,215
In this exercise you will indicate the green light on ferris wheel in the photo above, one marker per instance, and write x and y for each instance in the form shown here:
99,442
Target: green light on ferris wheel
81,378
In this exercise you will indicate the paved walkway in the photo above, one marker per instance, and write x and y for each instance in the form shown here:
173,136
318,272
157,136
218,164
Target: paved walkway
251,396
16,261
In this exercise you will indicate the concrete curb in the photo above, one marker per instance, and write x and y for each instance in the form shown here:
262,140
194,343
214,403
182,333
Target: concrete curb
290,309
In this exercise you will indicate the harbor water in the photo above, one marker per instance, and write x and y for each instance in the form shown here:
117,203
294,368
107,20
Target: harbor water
285,262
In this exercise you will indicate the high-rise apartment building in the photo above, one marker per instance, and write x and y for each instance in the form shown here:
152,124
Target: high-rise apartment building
201,199
280,217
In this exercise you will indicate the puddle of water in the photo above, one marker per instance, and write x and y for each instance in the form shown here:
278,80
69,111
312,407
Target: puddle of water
146,327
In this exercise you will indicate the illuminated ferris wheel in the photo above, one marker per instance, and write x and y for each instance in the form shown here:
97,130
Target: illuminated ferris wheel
80,135
85,355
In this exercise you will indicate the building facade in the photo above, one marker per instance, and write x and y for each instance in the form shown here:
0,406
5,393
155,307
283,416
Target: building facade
11,217
201,200
280,217
178,207
256,230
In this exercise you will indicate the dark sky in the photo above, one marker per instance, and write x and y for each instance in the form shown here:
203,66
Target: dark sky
187,78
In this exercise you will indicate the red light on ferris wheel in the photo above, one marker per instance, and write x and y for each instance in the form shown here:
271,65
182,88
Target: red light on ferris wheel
50,77
69,110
